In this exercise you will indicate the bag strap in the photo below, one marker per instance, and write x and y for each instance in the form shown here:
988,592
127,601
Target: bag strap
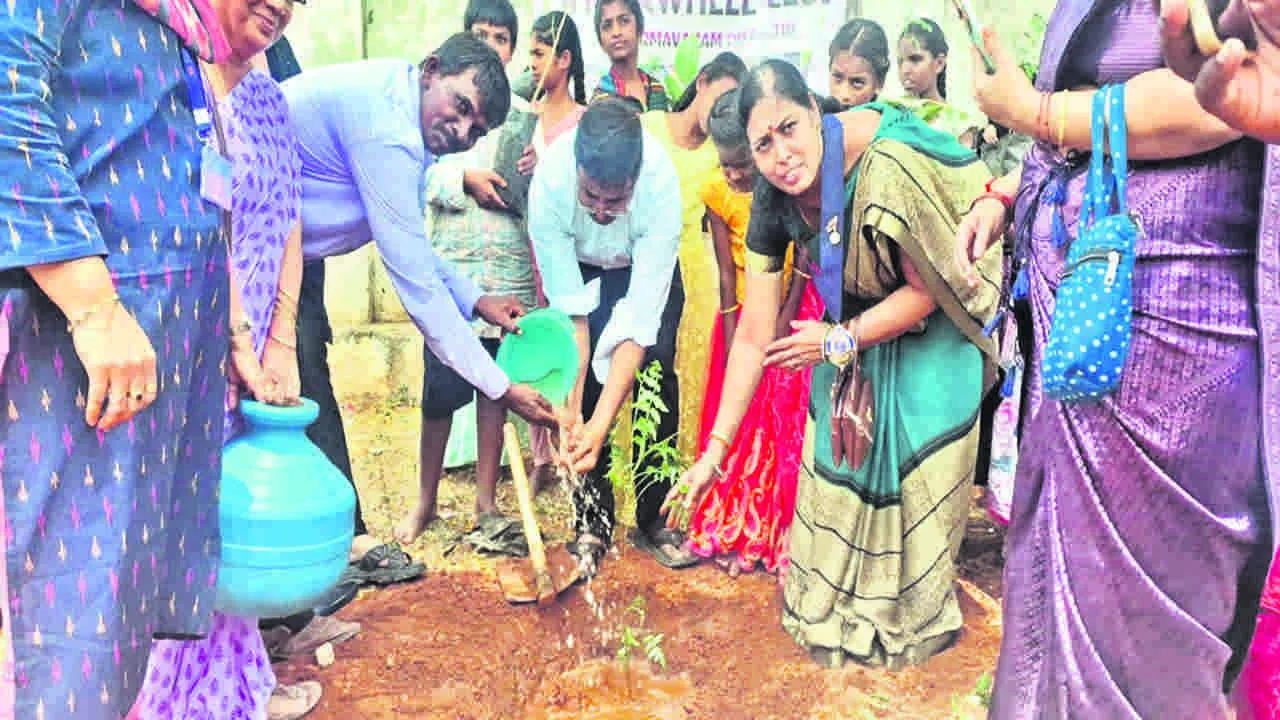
1093,206
1119,150
1106,189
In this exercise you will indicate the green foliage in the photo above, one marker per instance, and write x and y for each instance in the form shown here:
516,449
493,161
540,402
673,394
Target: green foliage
1026,47
638,637
682,71
942,116
982,691
968,706
653,460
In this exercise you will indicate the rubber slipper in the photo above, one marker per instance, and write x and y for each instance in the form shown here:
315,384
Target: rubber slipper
342,594
384,565
498,535
291,702
322,629
652,543
590,551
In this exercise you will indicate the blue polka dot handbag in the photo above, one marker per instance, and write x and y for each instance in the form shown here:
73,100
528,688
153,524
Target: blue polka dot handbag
1089,338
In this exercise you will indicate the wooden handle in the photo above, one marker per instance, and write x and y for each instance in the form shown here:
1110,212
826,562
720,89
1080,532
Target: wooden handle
537,552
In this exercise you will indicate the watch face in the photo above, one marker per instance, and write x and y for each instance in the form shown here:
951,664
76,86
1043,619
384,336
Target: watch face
839,343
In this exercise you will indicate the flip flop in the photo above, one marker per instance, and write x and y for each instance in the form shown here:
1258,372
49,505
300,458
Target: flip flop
292,702
590,551
653,543
497,535
384,565
321,630
342,594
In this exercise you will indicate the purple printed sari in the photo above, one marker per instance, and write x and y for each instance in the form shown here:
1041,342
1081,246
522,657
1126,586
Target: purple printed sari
228,674
1134,518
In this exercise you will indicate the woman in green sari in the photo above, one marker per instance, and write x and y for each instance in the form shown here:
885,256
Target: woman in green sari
877,194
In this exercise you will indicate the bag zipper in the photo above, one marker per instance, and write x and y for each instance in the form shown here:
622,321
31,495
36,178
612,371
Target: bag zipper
1112,257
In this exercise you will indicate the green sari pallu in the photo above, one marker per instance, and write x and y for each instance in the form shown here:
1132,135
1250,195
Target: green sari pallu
872,556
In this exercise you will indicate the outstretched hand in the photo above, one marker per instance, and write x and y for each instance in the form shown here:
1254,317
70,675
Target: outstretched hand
1240,87
687,494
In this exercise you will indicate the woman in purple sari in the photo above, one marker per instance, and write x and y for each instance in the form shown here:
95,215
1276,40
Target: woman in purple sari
228,674
1135,518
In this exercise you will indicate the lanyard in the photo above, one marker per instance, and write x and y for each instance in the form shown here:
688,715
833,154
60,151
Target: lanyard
829,277
195,91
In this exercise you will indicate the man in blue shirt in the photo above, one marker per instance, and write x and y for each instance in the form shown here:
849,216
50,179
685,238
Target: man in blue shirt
605,238
366,133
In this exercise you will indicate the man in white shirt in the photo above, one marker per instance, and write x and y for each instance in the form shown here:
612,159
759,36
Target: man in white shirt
605,223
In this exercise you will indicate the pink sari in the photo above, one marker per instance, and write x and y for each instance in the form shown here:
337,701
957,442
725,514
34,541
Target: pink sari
1257,692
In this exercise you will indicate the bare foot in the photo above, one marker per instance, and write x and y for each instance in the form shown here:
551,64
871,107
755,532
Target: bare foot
362,544
544,478
414,524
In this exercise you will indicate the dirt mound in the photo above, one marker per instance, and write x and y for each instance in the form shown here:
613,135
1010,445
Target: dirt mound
449,647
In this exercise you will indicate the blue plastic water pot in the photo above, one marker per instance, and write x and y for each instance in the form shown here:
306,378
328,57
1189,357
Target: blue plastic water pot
287,515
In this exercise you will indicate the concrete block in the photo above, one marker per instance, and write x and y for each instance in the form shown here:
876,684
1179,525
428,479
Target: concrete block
387,307
377,361
348,291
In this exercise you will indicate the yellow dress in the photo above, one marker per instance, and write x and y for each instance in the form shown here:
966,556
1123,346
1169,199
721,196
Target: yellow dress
734,208
700,277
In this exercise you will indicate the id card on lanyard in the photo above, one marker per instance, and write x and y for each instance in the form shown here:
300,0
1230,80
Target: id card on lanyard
215,170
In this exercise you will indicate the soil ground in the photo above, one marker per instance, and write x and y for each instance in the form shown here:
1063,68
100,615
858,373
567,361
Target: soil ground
449,646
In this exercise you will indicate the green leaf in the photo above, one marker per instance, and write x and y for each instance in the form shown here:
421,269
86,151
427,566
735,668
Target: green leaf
686,62
645,427
983,689
637,606
653,650
673,86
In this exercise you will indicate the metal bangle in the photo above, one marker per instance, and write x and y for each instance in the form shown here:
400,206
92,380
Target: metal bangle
717,435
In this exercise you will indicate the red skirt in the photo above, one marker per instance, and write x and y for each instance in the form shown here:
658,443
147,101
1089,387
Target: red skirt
748,512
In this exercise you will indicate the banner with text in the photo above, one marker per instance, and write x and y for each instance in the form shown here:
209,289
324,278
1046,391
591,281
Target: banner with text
797,30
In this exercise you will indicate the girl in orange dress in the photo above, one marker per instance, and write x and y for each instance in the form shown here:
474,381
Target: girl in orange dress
744,520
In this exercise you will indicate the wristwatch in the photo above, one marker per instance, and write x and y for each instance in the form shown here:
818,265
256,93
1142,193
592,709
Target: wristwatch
839,347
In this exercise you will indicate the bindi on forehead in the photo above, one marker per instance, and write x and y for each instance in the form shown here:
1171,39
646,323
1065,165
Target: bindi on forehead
770,114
